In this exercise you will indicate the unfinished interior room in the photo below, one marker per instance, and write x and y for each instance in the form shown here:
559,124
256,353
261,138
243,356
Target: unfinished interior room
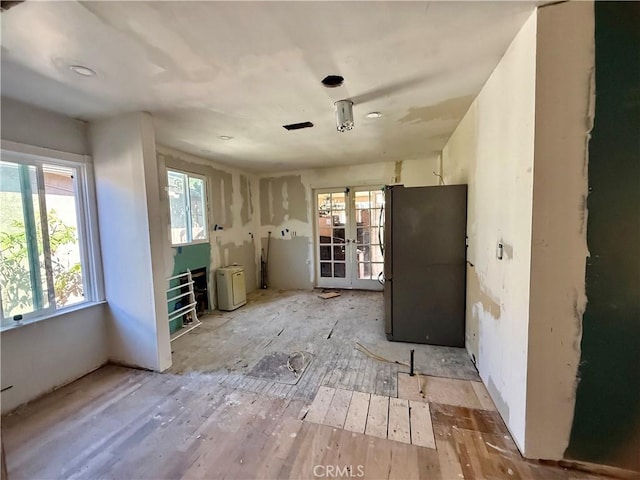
305,240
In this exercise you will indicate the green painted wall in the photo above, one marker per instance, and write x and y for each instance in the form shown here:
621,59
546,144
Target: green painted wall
606,426
188,257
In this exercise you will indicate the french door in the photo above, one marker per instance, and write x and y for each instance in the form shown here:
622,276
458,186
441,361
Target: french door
349,234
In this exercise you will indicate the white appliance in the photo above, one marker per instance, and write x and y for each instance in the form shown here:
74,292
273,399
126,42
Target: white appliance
232,292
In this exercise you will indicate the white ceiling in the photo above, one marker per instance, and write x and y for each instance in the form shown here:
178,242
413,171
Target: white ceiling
244,69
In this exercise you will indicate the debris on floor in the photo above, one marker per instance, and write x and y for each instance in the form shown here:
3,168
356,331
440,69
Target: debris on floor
282,367
328,295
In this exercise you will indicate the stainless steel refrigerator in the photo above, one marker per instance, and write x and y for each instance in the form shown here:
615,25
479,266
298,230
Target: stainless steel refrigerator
425,264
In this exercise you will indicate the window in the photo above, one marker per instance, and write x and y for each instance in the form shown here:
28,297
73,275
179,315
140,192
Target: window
43,238
188,207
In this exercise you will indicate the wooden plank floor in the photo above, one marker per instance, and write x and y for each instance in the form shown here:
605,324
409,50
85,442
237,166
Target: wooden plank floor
208,419
374,415
124,424
229,344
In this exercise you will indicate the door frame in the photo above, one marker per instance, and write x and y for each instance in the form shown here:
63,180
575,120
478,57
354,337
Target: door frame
331,282
350,281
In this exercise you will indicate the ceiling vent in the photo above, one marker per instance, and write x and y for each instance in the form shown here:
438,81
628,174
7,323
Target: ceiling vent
332,81
298,126
6,5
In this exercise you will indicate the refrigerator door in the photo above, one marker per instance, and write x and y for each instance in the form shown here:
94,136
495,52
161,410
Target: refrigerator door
388,307
428,244
388,255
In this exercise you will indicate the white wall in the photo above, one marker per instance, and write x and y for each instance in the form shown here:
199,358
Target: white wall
30,125
132,233
41,356
493,151
522,147
292,258
564,118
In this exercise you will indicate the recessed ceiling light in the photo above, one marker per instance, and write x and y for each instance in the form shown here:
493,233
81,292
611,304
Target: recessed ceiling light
82,70
225,137
373,115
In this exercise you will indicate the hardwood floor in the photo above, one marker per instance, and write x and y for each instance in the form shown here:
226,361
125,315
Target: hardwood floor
229,344
204,421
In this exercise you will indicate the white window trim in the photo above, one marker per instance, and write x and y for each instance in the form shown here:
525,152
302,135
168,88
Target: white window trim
205,179
87,214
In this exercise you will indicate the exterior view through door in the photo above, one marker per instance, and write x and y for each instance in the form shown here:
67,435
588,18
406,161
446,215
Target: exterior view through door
349,234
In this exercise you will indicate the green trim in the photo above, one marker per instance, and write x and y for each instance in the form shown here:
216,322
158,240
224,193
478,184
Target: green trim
606,424
31,234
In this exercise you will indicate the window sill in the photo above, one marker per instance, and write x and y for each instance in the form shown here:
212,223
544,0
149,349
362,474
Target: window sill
57,313
195,242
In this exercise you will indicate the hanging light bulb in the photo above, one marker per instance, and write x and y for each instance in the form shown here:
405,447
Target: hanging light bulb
344,115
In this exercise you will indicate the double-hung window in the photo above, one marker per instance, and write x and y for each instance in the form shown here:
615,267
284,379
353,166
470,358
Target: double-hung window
45,263
188,206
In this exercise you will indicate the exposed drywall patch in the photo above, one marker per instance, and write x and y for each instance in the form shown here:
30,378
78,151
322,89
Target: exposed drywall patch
246,211
472,315
230,208
282,199
477,293
451,109
243,254
222,190
289,266
398,172
266,201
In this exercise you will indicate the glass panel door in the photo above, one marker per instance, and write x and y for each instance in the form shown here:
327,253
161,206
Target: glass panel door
349,237
332,227
368,249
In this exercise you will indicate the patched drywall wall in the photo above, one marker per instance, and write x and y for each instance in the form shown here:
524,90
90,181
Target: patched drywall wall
287,210
242,254
282,199
246,211
288,265
231,215
493,150
606,424
564,117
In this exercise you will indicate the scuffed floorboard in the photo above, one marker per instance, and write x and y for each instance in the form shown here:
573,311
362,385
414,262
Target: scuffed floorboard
207,418
229,344
118,423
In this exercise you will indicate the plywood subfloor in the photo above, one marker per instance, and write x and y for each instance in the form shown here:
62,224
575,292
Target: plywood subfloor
122,424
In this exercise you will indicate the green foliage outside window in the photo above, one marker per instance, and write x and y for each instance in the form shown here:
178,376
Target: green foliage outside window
14,271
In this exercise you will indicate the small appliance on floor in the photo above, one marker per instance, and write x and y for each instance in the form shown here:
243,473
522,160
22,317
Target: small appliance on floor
232,292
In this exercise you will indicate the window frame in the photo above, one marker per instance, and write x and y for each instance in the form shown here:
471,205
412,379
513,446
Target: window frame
86,213
189,229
